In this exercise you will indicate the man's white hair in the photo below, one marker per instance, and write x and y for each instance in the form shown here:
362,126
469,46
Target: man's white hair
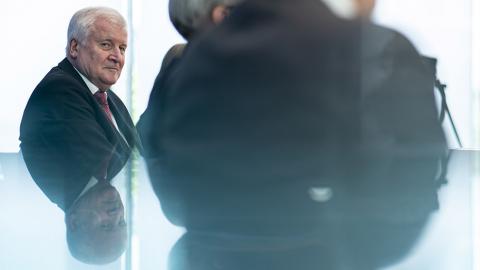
82,21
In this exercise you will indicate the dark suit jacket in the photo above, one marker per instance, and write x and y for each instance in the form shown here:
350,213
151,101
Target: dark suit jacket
65,135
173,55
169,62
281,97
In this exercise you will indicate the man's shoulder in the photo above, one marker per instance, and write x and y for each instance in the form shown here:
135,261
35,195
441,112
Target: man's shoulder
59,83
175,52
59,77
378,36
56,94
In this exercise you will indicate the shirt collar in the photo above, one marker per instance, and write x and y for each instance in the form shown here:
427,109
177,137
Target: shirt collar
91,183
92,87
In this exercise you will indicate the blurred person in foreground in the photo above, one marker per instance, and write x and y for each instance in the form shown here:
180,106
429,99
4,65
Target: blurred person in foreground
76,135
190,19
289,137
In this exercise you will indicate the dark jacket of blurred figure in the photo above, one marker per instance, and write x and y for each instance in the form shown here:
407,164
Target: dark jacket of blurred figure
278,98
190,19
285,117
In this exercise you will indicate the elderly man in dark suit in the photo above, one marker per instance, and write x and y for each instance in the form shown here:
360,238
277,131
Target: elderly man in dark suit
289,138
190,19
76,134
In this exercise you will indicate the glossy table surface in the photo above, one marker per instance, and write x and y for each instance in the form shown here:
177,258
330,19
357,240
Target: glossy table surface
394,232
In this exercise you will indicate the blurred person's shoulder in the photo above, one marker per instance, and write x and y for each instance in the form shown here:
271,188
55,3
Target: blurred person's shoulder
173,54
377,36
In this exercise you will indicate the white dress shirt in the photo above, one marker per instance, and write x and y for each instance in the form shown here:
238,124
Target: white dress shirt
93,181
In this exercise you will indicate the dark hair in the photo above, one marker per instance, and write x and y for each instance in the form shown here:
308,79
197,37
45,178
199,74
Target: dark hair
188,16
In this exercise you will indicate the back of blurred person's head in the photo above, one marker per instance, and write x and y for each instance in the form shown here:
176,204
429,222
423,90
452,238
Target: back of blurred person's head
193,16
96,228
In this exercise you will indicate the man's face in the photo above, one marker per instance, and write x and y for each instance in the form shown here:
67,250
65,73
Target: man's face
99,219
100,57
101,209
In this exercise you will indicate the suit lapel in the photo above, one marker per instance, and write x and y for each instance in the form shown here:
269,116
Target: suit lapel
110,131
124,125
120,113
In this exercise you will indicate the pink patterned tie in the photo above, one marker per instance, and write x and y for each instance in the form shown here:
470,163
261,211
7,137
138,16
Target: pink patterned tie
101,98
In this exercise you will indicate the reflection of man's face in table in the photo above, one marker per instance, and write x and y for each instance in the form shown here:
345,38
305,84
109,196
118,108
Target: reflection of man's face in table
96,228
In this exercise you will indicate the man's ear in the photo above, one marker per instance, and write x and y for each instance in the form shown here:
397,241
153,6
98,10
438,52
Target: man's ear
219,13
73,48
